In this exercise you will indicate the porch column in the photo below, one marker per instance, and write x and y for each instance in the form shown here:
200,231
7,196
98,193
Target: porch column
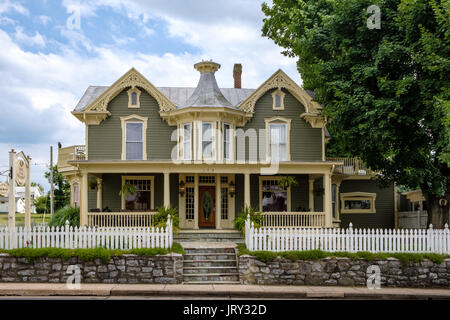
196,201
218,201
99,193
28,197
166,189
327,201
247,189
84,199
311,192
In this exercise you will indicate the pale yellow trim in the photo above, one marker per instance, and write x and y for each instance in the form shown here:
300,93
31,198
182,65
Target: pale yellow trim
138,98
86,140
129,119
132,78
358,196
279,80
273,178
152,188
278,120
282,95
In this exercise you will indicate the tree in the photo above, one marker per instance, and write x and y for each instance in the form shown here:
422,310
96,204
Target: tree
385,91
42,204
62,188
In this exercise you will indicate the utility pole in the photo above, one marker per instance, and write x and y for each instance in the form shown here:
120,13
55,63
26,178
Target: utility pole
51,183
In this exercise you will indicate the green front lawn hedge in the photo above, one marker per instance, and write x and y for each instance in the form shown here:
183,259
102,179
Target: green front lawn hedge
87,254
405,258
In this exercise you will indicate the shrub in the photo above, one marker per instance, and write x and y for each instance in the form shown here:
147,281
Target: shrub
162,216
255,217
64,214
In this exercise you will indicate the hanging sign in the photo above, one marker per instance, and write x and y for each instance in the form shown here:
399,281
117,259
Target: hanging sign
4,189
20,172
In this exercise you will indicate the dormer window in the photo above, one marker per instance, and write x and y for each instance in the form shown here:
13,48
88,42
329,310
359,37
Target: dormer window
278,99
133,98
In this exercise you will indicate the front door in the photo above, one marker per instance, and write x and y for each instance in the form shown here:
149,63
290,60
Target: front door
207,207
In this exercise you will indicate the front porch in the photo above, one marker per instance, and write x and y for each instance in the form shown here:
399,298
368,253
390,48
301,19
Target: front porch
209,202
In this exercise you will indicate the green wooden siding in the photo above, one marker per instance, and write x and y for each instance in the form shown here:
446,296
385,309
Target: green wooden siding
105,139
306,142
384,205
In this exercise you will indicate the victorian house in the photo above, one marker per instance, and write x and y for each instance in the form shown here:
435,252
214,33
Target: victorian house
211,151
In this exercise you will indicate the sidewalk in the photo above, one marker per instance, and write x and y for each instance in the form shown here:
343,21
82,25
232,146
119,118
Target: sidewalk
224,291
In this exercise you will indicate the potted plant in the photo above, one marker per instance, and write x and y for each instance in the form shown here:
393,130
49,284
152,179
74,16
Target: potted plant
287,181
255,217
127,189
162,216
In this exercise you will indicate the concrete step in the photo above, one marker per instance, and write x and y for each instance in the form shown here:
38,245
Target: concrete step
209,263
209,270
235,237
210,256
209,250
216,277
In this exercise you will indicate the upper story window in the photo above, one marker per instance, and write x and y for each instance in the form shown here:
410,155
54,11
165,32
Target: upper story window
187,141
278,99
134,97
134,129
226,141
134,141
207,140
278,139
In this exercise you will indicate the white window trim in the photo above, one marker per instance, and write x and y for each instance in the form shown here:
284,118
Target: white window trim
138,98
230,142
358,196
282,95
132,119
275,178
152,189
212,123
278,120
182,140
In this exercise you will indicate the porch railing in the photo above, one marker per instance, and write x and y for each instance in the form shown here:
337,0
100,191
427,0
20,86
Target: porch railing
353,166
121,219
69,154
293,219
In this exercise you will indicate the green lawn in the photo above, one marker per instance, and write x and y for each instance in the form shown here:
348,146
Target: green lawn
20,219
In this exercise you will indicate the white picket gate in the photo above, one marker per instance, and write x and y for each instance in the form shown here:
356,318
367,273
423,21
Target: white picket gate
350,240
87,237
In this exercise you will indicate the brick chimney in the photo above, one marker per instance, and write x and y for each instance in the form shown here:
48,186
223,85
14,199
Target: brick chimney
237,72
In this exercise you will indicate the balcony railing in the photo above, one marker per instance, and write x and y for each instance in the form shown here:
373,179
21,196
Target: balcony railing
352,166
121,219
69,154
293,219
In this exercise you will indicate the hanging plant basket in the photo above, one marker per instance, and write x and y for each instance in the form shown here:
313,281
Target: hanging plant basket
127,189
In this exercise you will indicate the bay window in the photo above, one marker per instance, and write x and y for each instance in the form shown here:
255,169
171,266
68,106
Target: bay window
187,141
226,141
207,140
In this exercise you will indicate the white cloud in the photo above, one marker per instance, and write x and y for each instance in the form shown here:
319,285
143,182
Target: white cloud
36,40
44,19
8,5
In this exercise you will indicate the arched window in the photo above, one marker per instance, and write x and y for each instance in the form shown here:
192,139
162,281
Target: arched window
133,98
278,99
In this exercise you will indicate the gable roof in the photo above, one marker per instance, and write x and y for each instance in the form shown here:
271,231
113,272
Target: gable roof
178,95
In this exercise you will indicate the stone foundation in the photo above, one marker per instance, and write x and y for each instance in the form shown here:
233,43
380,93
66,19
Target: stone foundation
342,272
120,269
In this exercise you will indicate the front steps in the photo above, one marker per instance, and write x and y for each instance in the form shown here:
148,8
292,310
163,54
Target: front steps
210,262
212,236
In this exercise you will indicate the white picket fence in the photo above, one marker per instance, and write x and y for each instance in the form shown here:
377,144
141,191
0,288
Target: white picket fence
87,237
349,240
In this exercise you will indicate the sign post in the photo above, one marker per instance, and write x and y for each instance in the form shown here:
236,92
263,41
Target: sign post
19,174
12,196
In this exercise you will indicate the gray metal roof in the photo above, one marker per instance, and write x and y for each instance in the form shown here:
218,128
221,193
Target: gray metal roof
178,95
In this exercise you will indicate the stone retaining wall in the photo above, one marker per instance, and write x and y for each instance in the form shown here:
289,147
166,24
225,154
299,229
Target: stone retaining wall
342,272
127,268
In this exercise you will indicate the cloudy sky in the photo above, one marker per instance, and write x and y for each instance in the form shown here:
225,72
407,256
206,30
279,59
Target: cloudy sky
51,51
